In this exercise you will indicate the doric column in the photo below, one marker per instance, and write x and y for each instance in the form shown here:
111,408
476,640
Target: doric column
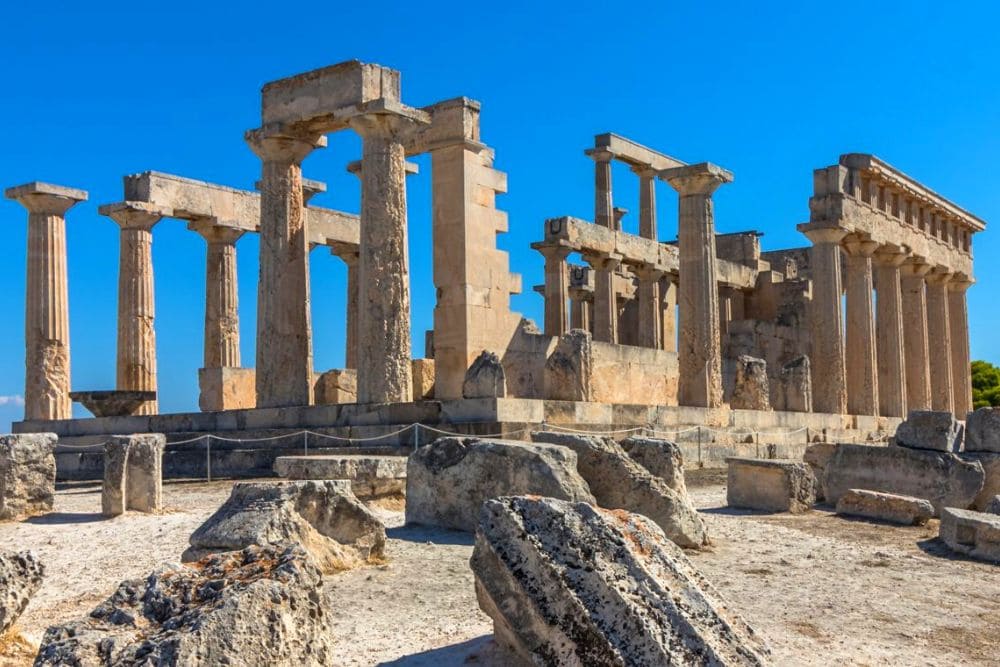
939,341
725,311
647,202
958,315
350,256
284,323
700,356
605,302
668,305
580,304
619,214
890,334
46,314
650,308
222,316
918,385
862,380
136,365
556,289
827,321
603,202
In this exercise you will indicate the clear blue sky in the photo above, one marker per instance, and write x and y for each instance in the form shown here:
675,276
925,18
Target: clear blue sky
94,91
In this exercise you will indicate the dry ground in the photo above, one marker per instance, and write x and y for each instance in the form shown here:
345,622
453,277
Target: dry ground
821,589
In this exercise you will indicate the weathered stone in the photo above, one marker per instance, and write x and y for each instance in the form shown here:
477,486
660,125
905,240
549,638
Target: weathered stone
817,455
113,403
448,480
133,473
485,378
929,429
569,369
27,475
751,391
974,534
423,379
618,482
982,430
796,385
339,385
661,458
572,584
226,388
890,507
325,517
941,477
370,476
20,577
991,482
770,485
993,506
259,606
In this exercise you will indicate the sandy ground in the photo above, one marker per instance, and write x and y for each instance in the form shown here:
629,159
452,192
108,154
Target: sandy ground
822,590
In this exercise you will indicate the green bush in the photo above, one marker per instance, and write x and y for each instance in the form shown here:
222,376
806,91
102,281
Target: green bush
985,384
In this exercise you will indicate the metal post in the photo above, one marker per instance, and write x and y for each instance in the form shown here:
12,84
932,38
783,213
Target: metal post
305,443
416,436
208,457
699,446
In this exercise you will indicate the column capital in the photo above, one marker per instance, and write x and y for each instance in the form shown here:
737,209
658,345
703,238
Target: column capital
45,198
348,252
278,145
602,261
135,214
388,120
647,272
213,232
644,171
825,235
857,247
939,276
890,255
914,266
552,250
696,179
599,154
960,282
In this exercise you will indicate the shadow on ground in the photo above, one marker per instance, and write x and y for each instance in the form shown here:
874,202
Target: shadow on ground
57,518
478,651
415,533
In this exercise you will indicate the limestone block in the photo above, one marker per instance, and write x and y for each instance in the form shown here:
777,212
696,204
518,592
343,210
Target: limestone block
448,480
993,506
890,507
20,577
817,455
259,606
618,482
133,473
226,388
991,481
751,390
323,516
661,458
569,369
423,379
930,429
27,475
370,476
941,477
485,378
982,430
796,385
770,485
974,534
637,601
339,385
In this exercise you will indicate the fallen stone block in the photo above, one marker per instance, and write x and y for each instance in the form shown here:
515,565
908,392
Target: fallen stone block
890,507
770,485
20,577
572,584
325,517
751,389
940,477
448,480
930,429
370,476
133,473
259,606
618,482
817,455
485,378
661,458
993,507
27,475
975,534
982,430
991,482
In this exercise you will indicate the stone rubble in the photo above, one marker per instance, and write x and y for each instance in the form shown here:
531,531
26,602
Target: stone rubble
27,475
982,431
974,534
770,485
890,507
661,458
20,578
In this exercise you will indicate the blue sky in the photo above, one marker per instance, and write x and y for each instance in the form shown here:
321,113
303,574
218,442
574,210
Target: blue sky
94,91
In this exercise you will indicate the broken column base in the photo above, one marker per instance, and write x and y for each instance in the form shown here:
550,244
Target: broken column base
133,474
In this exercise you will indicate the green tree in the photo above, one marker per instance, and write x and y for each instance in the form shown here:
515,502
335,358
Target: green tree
985,384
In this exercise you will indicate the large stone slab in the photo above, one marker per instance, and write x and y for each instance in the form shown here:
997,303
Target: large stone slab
572,584
890,507
448,480
982,430
27,475
991,483
618,482
259,606
20,577
930,429
370,476
940,477
770,485
661,458
975,534
325,517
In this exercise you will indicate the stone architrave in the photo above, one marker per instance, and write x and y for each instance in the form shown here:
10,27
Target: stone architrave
222,317
914,299
826,318
770,485
700,355
890,334
974,534
958,315
890,507
862,378
939,344
46,316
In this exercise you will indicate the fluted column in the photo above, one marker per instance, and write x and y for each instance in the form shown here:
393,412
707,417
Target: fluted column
604,214
700,356
647,202
605,312
939,341
827,321
862,380
46,316
890,334
918,385
284,322
350,256
958,314
668,306
580,305
650,309
556,289
222,317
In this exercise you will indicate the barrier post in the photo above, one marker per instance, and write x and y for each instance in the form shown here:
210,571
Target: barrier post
208,457
305,443
416,436
699,445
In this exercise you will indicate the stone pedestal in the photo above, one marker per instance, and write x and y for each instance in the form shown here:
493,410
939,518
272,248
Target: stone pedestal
939,341
556,289
958,315
222,317
890,335
914,298
826,318
46,318
862,381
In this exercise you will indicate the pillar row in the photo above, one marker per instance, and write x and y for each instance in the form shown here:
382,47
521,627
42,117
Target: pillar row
647,202
862,378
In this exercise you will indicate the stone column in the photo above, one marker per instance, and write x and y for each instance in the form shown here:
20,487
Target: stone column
222,316
650,308
725,312
890,334
939,341
605,302
604,214
46,314
556,289
827,322
580,304
918,385
862,380
647,202
700,356
284,323
350,256
958,315
668,305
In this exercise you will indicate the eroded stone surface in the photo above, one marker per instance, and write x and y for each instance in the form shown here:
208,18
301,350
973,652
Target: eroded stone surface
485,378
930,429
993,506
991,481
770,485
133,473
27,475
370,476
982,430
20,577
974,534
891,507
817,455
751,390
796,385
661,458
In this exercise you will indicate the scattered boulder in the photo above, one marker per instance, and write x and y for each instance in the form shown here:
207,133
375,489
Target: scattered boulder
941,477
993,507
661,458
618,482
572,584
991,483
770,485
974,534
930,429
796,386
817,455
982,430
27,475
325,517
890,507
133,473
485,377
449,479
751,391
20,578
259,606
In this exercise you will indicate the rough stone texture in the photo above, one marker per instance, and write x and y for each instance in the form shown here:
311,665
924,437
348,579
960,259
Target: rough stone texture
796,385
27,475
423,379
572,584
485,378
993,506
906,510
991,483
339,385
133,473
370,476
325,517
890,333
770,485
114,403
618,482
222,316
259,606
226,389
817,455
859,341
826,319
661,458
20,577
928,429
974,534
751,390
982,430
941,477
448,480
